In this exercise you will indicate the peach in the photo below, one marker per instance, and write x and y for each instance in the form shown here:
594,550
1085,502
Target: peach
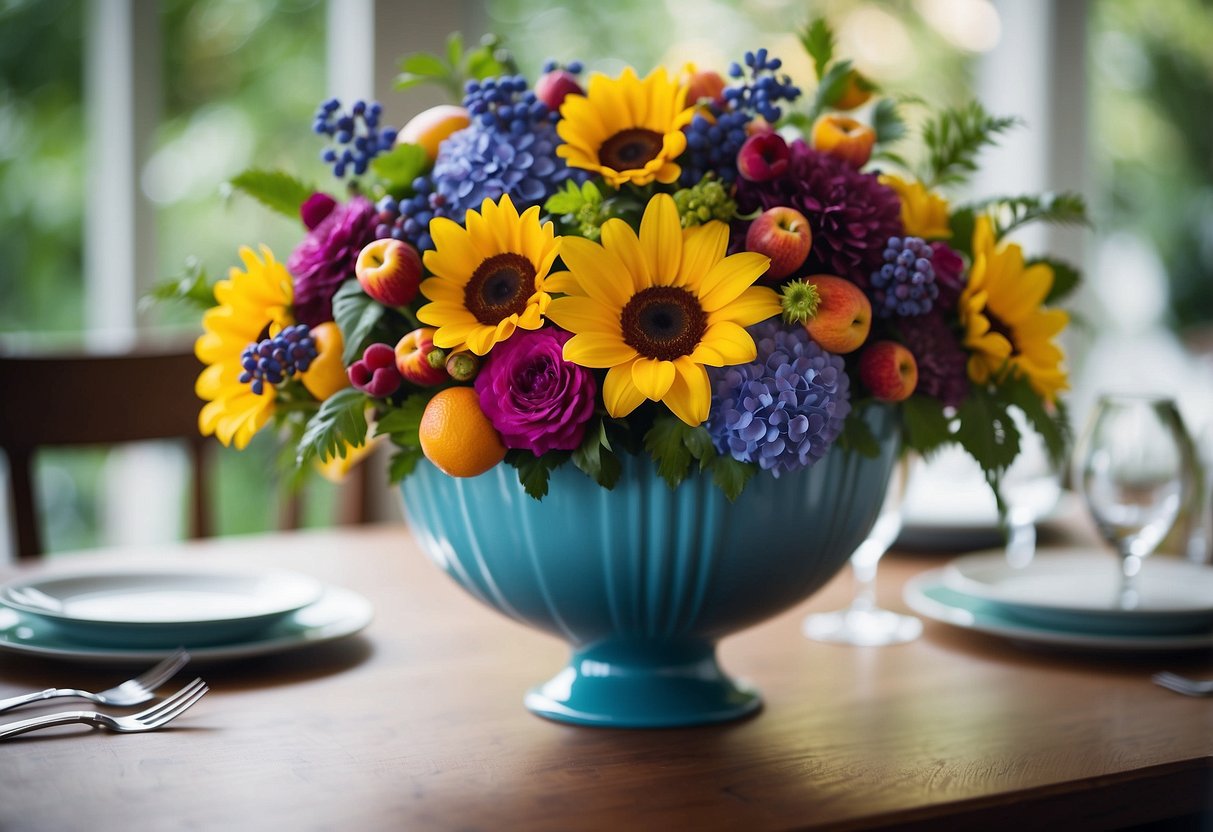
844,314
413,358
856,93
552,87
705,83
888,370
844,138
430,127
783,234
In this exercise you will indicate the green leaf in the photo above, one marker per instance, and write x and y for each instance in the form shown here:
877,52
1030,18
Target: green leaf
595,458
857,436
454,49
962,221
829,90
925,423
1066,278
1054,428
887,122
1011,212
731,476
341,421
699,443
403,463
192,287
818,41
356,314
402,424
954,137
533,471
666,442
568,201
275,189
426,65
987,432
400,166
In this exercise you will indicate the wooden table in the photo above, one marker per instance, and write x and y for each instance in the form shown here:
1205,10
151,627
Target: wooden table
418,724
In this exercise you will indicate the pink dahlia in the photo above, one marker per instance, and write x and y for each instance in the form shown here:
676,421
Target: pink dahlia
851,213
949,275
941,359
326,257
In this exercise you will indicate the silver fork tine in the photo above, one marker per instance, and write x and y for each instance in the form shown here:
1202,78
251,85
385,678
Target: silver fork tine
156,676
179,707
165,704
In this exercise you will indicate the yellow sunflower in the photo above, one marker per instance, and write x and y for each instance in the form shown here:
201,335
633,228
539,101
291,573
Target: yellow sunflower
657,308
252,304
488,276
923,213
1006,329
626,129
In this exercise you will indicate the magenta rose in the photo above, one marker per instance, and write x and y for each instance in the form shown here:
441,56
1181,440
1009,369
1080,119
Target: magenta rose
326,257
535,399
949,275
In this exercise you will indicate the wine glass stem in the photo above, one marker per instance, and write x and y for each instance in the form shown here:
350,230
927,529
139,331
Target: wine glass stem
863,570
1130,565
1021,537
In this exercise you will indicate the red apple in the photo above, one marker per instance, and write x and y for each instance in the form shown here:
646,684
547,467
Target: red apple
705,83
888,370
844,314
412,358
389,271
783,234
552,87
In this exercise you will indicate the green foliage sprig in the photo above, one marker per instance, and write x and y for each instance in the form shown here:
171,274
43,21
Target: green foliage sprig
954,137
275,189
339,424
457,66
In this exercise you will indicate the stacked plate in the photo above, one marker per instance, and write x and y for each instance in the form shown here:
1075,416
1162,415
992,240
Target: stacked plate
1071,598
138,611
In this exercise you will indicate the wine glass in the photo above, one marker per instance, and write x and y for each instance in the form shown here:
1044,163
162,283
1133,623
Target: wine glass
863,622
1031,487
1135,469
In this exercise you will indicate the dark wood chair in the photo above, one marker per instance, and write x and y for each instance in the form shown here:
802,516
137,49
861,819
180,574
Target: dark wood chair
79,398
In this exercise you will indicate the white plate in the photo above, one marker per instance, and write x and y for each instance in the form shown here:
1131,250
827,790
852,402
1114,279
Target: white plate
1079,588
337,614
159,604
930,597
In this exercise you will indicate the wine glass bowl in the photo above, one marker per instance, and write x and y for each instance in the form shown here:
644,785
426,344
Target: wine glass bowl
1135,468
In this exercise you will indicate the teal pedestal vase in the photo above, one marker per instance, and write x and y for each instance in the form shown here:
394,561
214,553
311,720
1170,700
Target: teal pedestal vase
642,581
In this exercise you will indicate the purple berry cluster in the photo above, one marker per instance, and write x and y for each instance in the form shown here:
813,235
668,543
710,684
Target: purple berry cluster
357,135
713,142
905,285
408,219
274,360
505,104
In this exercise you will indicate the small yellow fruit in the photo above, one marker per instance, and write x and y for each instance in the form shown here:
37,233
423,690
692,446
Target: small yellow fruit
327,373
430,127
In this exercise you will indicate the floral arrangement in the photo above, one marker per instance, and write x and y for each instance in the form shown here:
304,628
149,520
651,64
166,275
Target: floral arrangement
720,271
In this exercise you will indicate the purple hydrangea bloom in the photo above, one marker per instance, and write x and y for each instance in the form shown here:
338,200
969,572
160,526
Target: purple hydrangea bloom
535,399
783,410
480,162
326,258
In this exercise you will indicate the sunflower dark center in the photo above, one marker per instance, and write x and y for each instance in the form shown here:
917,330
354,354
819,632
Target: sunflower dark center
630,149
997,325
500,287
663,322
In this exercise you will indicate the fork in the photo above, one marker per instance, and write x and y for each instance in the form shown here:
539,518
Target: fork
150,719
131,692
1182,684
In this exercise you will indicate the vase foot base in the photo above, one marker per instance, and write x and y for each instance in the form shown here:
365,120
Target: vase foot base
609,694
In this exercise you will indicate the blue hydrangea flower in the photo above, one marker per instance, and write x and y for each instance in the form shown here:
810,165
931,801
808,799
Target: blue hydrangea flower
785,409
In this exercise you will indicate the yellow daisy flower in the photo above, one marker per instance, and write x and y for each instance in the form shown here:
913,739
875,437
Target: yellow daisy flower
252,305
626,129
488,276
923,213
656,309
1006,329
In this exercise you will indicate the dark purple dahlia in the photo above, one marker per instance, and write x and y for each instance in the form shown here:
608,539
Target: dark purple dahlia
949,275
326,257
851,213
941,359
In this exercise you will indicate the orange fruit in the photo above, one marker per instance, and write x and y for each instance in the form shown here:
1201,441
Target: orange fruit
456,435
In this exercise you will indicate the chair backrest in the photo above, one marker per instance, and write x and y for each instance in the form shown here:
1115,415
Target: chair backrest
85,398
